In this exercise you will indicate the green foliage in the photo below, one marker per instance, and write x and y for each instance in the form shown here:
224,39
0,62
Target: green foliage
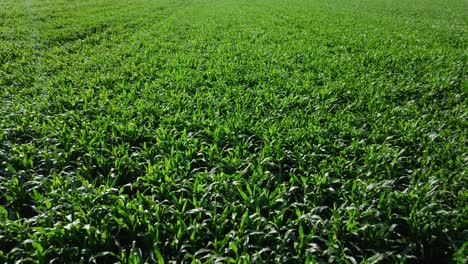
233,131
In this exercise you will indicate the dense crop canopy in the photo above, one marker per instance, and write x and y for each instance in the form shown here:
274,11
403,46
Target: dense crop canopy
233,131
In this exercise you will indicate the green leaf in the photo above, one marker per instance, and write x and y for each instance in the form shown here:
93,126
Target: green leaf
158,254
243,194
3,213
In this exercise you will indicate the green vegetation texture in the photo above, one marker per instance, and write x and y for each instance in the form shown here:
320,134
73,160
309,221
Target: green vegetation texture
294,131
